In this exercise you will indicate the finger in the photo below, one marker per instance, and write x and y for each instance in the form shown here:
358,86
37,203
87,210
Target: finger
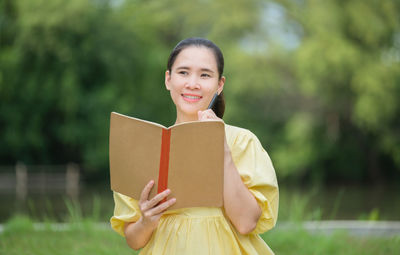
203,115
146,192
157,198
209,111
157,211
211,114
207,116
162,207
199,115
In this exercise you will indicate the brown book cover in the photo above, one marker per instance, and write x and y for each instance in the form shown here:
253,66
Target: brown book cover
187,158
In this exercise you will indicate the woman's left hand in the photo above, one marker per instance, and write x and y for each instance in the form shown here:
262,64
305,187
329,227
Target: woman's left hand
207,115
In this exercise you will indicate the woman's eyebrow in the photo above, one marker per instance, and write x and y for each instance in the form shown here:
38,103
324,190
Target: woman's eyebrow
183,67
207,70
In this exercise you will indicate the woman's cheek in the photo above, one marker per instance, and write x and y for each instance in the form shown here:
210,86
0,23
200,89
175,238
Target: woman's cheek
174,96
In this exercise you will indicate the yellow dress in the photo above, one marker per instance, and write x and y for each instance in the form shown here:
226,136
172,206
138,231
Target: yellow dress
206,230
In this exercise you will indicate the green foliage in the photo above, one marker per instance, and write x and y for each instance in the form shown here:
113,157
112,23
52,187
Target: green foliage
95,239
372,216
69,64
298,241
316,81
347,69
85,239
18,224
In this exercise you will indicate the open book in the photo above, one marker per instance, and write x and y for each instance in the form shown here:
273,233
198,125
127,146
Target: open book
187,158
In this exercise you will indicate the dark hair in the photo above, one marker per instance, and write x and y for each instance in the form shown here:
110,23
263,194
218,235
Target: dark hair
219,105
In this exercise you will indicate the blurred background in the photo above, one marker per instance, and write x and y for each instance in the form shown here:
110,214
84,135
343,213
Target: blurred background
317,81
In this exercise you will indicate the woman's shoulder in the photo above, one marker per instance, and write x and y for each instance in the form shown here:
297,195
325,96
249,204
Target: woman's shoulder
236,134
234,130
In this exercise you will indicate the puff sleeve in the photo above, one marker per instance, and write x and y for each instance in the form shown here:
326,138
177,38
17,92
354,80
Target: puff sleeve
257,172
126,210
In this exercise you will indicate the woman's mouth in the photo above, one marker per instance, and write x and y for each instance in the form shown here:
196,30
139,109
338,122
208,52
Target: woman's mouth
191,97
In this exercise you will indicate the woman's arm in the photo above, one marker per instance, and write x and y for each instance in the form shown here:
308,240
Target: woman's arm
240,205
138,233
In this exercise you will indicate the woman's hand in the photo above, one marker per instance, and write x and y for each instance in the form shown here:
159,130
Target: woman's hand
207,115
138,233
152,209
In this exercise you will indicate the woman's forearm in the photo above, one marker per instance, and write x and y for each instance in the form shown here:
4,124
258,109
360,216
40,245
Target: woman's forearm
240,205
137,234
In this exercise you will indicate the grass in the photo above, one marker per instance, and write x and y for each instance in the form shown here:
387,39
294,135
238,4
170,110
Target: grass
85,237
299,242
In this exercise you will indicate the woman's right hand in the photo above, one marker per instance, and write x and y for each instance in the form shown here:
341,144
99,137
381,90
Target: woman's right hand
138,233
152,209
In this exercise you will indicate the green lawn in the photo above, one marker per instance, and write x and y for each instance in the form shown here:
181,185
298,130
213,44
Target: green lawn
299,242
84,237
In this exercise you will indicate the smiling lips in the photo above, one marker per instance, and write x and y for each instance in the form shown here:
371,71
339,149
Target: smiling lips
191,97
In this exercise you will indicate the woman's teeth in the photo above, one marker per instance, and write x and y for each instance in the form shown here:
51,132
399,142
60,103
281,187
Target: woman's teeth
192,97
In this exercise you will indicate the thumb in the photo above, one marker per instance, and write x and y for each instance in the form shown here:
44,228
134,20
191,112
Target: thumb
199,113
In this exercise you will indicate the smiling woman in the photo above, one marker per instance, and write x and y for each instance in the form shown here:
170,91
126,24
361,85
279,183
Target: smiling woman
193,77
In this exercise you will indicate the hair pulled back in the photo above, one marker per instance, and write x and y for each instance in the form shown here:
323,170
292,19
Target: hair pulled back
219,105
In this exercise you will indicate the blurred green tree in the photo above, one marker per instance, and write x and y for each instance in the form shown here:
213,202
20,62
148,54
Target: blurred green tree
347,68
317,81
65,65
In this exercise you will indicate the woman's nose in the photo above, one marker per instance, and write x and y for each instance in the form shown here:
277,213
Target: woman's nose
192,82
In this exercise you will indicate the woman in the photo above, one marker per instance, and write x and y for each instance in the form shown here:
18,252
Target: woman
193,76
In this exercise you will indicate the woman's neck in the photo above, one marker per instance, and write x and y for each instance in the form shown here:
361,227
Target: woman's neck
180,118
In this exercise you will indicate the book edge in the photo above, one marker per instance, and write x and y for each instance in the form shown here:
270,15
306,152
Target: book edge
162,126
195,122
141,120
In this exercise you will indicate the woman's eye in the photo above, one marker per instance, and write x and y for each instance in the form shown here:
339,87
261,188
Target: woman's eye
183,72
205,75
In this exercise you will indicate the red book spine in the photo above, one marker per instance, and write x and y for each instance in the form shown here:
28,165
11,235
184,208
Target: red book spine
164,161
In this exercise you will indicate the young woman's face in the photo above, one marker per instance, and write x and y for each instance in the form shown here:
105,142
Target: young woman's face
193,81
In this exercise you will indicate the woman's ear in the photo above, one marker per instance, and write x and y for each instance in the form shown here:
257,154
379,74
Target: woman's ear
221,84
167,80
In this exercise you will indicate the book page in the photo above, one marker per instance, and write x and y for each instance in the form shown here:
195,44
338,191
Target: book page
134,155
197,164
